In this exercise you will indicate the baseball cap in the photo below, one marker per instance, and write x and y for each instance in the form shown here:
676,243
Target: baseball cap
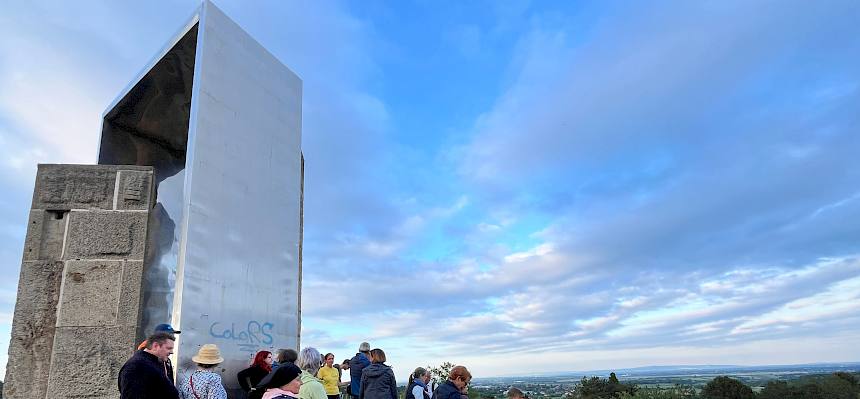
164,327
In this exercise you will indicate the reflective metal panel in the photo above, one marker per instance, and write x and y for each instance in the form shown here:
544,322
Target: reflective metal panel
148,125
231,228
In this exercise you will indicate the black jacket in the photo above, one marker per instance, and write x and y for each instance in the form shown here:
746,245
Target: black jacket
254,374
377,382
142,377
446,391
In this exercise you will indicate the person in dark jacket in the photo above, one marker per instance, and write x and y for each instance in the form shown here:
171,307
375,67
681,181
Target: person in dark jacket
377,380
143,376
260,367
168,366
356,365
458,379
417,386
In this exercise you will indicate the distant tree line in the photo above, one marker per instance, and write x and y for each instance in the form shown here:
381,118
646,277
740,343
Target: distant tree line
839,385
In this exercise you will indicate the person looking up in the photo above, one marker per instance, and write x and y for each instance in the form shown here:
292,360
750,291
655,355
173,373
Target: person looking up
356,366
260,366
309,361
457,383
377,380
417,387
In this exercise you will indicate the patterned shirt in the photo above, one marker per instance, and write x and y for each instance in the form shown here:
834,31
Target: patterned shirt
207,385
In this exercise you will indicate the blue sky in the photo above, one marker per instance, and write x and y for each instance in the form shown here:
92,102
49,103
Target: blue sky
520,186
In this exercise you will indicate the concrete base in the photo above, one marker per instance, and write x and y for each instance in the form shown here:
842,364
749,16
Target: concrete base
78,307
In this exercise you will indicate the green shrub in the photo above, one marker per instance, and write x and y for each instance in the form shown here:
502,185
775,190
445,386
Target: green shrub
724,387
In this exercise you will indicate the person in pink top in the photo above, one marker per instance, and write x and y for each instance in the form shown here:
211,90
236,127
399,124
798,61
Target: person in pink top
283,383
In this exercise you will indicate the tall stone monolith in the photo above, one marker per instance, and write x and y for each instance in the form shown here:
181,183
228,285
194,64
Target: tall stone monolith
77,313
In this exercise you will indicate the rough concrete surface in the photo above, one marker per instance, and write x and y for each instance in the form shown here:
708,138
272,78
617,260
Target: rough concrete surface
90,294
44,235
102,349
74,187
106,235
33,330
78,306
131,294
135,190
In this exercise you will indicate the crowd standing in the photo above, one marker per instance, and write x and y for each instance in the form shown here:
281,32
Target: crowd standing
285,374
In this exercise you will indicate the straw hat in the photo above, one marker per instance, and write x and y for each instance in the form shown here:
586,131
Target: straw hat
208,354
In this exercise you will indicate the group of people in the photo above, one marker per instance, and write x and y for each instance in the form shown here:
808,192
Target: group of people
288,374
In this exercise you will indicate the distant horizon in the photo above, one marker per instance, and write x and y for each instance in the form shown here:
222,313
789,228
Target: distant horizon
672,367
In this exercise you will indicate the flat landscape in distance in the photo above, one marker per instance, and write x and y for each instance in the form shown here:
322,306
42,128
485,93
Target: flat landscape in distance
549,385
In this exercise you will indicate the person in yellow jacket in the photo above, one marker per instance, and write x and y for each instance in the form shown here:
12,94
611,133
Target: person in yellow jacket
330,377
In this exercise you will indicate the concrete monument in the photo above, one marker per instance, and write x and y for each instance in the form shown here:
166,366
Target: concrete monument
211,133
78,307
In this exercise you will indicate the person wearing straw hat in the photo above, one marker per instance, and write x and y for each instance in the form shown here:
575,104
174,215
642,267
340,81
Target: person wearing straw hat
204,383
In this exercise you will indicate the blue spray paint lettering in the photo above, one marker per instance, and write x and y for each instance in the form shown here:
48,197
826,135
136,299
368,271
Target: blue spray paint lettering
254,332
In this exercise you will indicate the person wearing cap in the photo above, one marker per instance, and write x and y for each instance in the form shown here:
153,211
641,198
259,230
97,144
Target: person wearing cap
205,382
356,366
142,376
283,383
163,328
159,328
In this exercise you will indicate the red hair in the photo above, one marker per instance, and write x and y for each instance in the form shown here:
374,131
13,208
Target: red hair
260,361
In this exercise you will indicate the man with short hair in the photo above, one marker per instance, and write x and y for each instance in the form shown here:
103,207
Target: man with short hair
356,366
143,376
167,328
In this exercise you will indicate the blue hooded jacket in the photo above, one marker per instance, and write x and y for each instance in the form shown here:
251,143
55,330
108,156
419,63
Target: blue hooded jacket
356,366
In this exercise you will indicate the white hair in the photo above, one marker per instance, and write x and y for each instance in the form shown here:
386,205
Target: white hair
309,360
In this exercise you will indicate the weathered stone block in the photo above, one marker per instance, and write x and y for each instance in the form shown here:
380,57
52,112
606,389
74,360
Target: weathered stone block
106,235
128,312
91,292
74,187
33,329
103,350
135,190
45,235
